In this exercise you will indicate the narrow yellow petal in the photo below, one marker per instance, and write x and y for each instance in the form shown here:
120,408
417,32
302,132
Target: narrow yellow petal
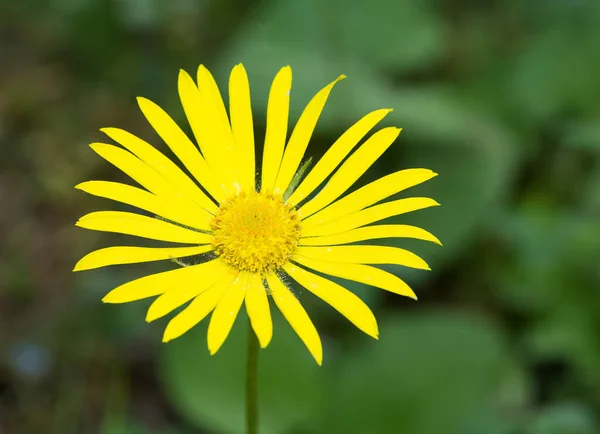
364,255
336,154
208,87
156,284
203,110
366,216
371,194
300,137
141,226
147,177
277,124
240,111
351,170
338,297
371,233
163,165
198,309
183,148
142,199
135,168
131,255
178,296
295,314
220,126
196,110
359,273
257,306
225,313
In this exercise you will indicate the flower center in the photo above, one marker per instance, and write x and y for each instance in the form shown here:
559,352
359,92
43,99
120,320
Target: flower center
255,232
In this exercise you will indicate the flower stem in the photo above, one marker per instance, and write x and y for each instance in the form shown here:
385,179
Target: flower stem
252,383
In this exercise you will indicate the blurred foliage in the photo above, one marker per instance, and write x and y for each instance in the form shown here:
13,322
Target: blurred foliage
500,97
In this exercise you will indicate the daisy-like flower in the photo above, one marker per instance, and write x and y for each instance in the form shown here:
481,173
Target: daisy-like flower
253,238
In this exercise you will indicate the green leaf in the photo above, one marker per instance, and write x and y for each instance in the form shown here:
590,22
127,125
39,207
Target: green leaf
584,136
556,71
429,374
592,194
565,418
122,427
209,391
362,34
410,36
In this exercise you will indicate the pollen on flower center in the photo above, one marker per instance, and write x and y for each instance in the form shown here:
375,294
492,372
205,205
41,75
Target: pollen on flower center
255,232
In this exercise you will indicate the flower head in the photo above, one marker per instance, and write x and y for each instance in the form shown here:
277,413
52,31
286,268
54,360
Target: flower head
251,238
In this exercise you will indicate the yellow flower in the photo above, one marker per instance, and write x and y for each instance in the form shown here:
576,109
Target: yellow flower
255,237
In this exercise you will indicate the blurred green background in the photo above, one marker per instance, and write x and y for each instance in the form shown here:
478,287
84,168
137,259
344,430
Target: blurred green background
500,97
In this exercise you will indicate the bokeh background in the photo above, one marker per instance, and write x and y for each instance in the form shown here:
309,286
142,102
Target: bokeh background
500,97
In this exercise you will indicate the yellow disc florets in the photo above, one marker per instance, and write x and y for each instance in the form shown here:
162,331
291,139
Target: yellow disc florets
255,232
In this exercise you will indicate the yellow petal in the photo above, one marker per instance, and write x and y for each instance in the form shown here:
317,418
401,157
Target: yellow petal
141,199
365,255
156,284
367,216
338,297
240,110
219,121
370,233
359,273
182,147
295,314
208,87
336,154
136,169
371,193
198,309
132,255
277,123
197,111
300,137
351,170
141,226
257,306
178,296
225,313
147,177
163,165
209,125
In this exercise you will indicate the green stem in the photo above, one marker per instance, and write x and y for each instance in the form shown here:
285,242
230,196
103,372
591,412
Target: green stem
252,383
